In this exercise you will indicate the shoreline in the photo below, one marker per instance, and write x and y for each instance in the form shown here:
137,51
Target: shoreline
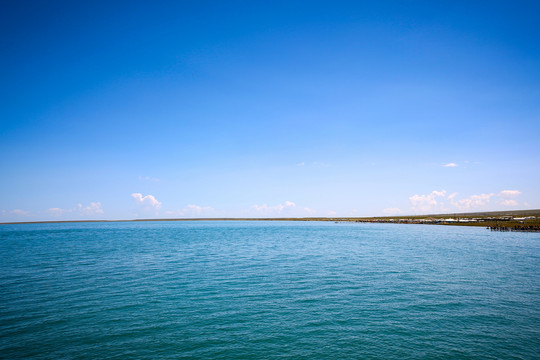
516,220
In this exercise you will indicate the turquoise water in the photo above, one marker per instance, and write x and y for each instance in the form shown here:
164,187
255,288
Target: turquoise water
267,290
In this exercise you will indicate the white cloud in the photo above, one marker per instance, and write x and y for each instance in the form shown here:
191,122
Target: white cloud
191,211
13,215
56,211
509,193
146,201
433,201
93,209
426,202
149,178
472,202
508,197
197,210
450,165
146,205
509,202
287,208
301,164
392,211
274,210
279,207
331,213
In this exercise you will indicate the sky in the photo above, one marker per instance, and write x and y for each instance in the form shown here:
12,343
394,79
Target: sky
171,109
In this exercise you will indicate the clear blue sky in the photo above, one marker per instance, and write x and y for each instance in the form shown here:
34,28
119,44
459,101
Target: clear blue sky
120,110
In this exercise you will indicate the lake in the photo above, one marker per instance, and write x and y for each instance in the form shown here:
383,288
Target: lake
267,290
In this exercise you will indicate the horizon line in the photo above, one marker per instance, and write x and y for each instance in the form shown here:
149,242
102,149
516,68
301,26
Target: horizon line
314,218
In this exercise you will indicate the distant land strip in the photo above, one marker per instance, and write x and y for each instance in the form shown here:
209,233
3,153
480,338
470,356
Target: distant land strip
515,220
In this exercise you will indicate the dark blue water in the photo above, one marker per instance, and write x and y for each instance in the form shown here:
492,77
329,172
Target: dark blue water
265,290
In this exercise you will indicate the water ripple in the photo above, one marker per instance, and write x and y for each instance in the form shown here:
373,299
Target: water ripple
223,290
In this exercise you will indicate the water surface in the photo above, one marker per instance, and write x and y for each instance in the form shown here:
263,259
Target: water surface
265,290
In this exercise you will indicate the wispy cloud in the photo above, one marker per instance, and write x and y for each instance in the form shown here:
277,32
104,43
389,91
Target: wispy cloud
191,211
196,209
434,201
275,209
80,210
149,178
509,193
472,202
93,209
57,211
450,165
15,214
509,202
285,209
508,197
425,203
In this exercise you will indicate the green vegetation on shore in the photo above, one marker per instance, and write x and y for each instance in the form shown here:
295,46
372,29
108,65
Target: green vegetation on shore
516,220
